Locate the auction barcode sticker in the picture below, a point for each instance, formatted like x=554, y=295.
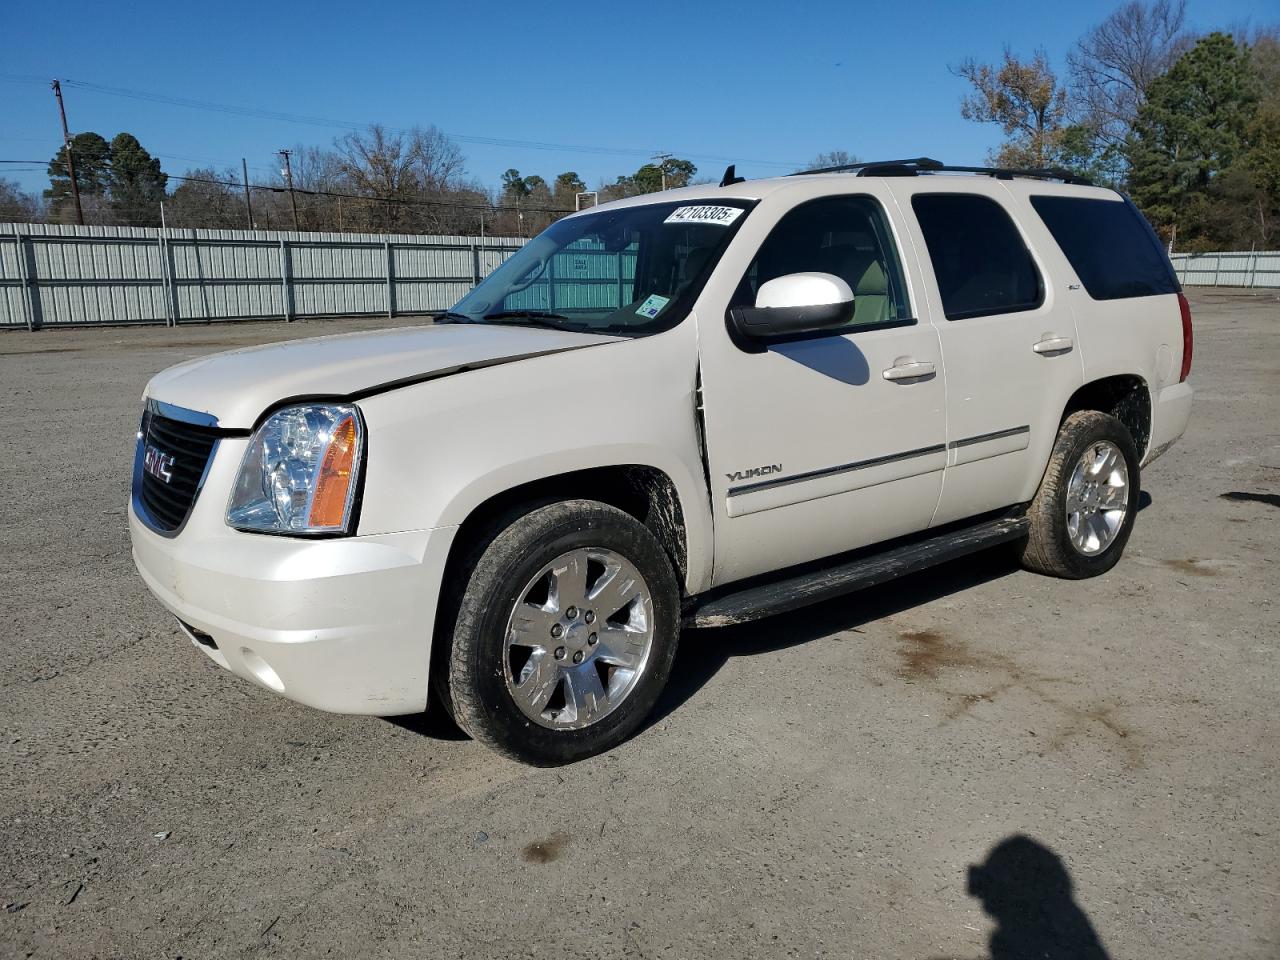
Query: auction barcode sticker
x=707, y=213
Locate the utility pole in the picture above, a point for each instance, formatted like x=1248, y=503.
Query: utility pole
x=293, y=200
x=71, y=163
x=662, y=159
x=248, y=201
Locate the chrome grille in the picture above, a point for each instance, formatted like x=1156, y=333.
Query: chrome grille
x=170, y=466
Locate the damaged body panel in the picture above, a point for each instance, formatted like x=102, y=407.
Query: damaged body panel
x=795, y=389
x=236, y=387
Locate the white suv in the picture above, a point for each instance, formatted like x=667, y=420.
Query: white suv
x=695, y=407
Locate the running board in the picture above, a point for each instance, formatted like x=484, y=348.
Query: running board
x=720, y=609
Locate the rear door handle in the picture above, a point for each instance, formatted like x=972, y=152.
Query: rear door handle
x=1054, y=345
x=905, y=368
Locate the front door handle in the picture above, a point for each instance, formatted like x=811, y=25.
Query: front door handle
x=904, y=368
x=1052, y=346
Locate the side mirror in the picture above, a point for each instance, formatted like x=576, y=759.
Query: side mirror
x=794, y=305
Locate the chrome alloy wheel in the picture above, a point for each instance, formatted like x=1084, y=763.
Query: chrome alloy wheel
x=1097, y=498
x=578, y=639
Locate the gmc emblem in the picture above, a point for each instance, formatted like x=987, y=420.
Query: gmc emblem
x=159, y=465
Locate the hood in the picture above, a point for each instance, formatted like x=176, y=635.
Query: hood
x=236, y=387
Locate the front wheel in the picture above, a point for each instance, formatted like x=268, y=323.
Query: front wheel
x=565, y=633
x=1084, y=511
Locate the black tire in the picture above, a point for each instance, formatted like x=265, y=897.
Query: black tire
x=1049, y=549
x=476, y=686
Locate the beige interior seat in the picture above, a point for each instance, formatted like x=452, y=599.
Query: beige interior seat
x=856, y=261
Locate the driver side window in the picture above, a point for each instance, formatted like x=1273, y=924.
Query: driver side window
x=845, y=236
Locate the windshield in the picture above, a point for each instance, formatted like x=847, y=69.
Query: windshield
x=633, y=271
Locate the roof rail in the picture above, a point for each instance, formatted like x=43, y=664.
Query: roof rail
x=1034, y=173
x=919, y=165
x=923, y=163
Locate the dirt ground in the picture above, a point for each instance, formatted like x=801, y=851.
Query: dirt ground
x=814, y=785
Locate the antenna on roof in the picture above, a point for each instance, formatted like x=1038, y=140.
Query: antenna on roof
x=731, y=176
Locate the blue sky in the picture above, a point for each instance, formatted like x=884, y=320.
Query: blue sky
x=748, y=80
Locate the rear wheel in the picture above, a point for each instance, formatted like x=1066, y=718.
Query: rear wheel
x=1084, y=511
x=565, y=633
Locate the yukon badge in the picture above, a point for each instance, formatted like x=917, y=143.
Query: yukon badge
x=766, y=470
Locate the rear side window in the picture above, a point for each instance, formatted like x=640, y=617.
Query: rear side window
x=1109, y=245
x=978, y=256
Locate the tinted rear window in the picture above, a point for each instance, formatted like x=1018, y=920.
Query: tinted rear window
x=1110, y=246
x=981, y=264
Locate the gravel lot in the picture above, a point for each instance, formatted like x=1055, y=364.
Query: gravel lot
x=815, y=785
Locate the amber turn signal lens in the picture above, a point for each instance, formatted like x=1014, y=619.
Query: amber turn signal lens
x=329, y=504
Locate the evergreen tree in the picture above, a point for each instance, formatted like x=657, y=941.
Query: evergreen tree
x=1193, y=126
x=135, y=182
x=92, y=157
x=567, y=187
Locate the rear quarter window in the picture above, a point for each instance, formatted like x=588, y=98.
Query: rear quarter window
x=1111, y=248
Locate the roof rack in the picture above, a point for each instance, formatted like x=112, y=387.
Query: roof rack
x=923, y=163
x=919, y=165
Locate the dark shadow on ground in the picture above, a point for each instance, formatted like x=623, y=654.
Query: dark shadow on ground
x=703, y=652
x=1243, y=496
x=1026, y=889
x=434, y=723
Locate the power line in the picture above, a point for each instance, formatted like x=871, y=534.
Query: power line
x=662, y=159
x=229, y=164
x=333, y=193
x=330, y=122
x=288, y=177
x=248, y=200
x=71, y=161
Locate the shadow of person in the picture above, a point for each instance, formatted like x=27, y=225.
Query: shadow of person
x=1024, y=886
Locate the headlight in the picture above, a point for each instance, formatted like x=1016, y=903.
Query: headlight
x=300, y=472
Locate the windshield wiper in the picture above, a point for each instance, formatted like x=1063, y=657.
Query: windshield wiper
x=527, y=318
x=525, y=315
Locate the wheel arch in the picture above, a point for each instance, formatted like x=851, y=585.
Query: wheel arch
x=1126, y=396
x=644, y=492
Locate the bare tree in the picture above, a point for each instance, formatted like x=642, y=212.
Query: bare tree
x=832, y=158
x=204, y=198
x=421, y=164
x=318, y=172
x=1113, y=64
x=18, y=206
x=1024, y=98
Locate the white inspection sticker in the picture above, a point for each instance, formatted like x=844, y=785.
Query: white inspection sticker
x=705, y=213
x=652, y=305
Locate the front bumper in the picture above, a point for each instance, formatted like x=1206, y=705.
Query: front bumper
x=343, y=625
